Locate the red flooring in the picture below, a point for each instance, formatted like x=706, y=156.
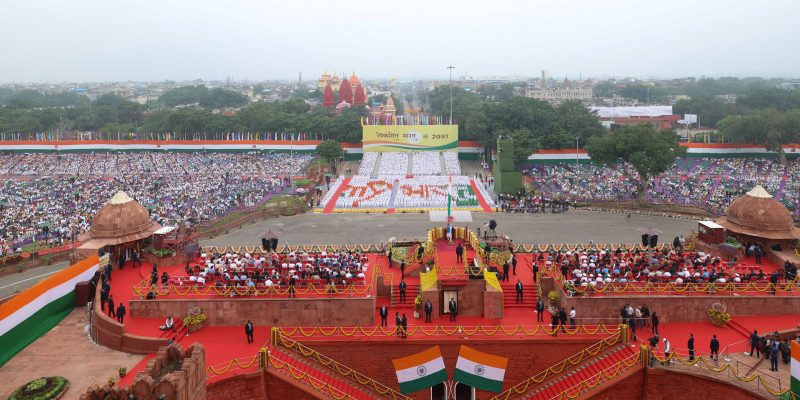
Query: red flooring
x=481, y=200
x=332, y=202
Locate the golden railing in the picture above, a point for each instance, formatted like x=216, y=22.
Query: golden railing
x=335, y=366
x=558, y=368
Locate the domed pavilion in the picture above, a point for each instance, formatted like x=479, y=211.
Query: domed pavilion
x=759, y=218
x=122, y=223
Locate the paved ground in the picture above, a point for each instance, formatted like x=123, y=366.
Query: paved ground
x=67, y=351
x=577, y=226
x=11, y=284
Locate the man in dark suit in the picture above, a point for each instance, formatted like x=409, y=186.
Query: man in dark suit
x=505, y=272
x=519, y=292
x=714, y=347
x=111, y=311
x=402, y=291
x=121, y=313
x=758, y=253
x=248, y=330
x=539, y=310
x=384, y=313
x=404, y=327
x=398, y=323
x=103, y=297
x=402, y=269
x=459, y=253
x=755, y=341
x=690, y=346
x=514, y=264
x=535, y=270
x=453, y=308
x=428, y=310
x=562, y=319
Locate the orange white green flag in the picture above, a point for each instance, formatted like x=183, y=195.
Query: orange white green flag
x=794, y=385
x=421, y=370
x=480, y=370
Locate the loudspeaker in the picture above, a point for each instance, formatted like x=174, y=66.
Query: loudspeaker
x=645, y=239
x=265, y=244
x=274, y=244
x=492, y=224
x=653, y=241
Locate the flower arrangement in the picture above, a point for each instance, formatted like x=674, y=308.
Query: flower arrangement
x=719, y=314
x=123, y=371
x=195, y=319
x=46, y=388
x=553, y=297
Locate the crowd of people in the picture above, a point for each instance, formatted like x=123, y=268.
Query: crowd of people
x=598, y=269
x=532, y=203
x=264, y=271
x=55, y=196
x=709, y=183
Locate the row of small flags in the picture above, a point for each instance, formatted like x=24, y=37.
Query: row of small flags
x=474, y=368
x=412, y=119
x=55, y=136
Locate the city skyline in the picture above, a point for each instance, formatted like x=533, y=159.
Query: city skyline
x=93, y=41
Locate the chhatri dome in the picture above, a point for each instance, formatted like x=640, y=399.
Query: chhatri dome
x=758, y=214
x=121, y=220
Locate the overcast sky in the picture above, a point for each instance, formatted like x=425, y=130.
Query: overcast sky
x=110, y=40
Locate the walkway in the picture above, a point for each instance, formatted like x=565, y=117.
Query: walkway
x=481, y=200
x=66, y=351
x=332, y=202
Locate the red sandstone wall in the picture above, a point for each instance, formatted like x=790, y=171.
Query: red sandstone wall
x=665, y=384
x=251, y=387
x=271, y=312
x=247, y=386
x=112, y=334
x=627, y=387
x=526, y=357
x=682, y=309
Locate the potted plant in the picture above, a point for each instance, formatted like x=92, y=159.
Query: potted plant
x=123, y=371
x=719, y=314
x=111, y=381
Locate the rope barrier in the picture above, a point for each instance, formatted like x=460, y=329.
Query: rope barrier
x=705, y=363
x=458, y=330
x=340, y=369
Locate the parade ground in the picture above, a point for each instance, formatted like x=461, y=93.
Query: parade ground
x=575, y=226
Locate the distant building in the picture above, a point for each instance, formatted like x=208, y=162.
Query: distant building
x=567, y=91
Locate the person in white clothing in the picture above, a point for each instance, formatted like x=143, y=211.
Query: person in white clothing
x=667, y=350
x=572, y=314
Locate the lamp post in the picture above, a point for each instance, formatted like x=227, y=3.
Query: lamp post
x=576, y=152
x=451, y=92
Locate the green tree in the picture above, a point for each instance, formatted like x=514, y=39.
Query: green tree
x=330, y=150
x=771, y=128
x=709, y=109
x=648, y=150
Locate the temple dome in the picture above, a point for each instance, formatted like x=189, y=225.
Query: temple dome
x=121, y=220
x=758, y=214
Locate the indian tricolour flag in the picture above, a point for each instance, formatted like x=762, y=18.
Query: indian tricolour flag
x=420, y=371
x=480, y=370
x=795, y=367
x=32, y=313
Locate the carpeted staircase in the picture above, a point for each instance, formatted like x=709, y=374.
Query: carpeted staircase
x=411, y=293
x=587, y=370
x=316, y=377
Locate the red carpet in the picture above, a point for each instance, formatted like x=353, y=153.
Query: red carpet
x=481, y=200
x=585, y=372
x=332, y=202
